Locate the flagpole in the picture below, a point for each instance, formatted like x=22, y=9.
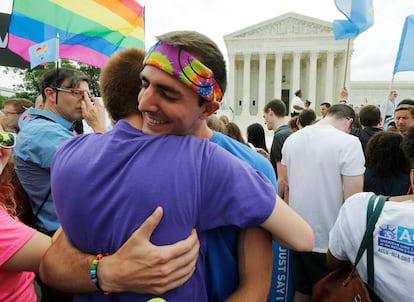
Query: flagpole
x=57, y=62
x=57, y=51
x=143, y=17
x=346, y=63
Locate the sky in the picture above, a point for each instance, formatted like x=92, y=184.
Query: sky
x=375, y=50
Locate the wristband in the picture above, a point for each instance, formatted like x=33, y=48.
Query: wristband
x=94, y=273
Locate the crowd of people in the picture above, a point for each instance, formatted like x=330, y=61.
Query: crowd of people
x=175, y=203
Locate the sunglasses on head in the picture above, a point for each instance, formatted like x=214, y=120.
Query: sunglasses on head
x=7, y=140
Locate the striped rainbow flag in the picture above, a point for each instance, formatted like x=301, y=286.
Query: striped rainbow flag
x=90, y=31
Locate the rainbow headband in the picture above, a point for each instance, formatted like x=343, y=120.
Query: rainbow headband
x=186, y=68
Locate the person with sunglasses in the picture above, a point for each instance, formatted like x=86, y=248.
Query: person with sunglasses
x=65, y=93
x=21, y=247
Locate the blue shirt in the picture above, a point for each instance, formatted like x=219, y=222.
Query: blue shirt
x=222, y=271
x=389, y=186
x=390, y=108
x=41, y=133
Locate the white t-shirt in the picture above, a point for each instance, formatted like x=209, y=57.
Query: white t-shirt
x=393, y=244
x=316, y=158
x=296, y=101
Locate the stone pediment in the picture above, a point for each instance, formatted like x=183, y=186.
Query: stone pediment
x=290, y=24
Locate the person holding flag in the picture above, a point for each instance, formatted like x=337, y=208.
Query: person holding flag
x=360, y=17
x=387, y=108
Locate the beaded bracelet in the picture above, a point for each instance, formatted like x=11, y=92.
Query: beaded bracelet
x=93, y=272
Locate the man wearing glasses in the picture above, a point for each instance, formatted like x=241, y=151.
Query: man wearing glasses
x=13, y=109
x=41, y=134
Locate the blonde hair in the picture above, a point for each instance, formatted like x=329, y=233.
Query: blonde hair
x=216, y=124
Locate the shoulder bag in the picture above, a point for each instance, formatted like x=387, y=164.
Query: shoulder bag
x=344, y=283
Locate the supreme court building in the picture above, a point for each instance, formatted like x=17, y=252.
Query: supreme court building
x=275, y=58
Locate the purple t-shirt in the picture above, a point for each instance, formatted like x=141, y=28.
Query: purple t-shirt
x=105, y=185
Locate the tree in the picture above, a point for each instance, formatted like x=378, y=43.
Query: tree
x=29, y=89
x=2, y=99
x=93, y=73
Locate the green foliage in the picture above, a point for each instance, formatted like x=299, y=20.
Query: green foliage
x=93, y=74
x=2, y=99
x=29, y=89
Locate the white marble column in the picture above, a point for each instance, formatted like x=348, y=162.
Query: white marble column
x=232, y=81
x=246, y=84
x=329, y=77
x=295, y=85
x=262, y=82
x=312, y=78
x=277, y=93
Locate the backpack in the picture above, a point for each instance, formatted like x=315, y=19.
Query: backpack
x=23, y=209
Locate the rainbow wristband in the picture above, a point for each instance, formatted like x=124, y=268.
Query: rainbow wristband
x=94, y=273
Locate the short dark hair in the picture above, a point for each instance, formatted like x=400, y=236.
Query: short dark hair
x=370, y=115
x=410, y=108
x=406, y=102
x=54, y=78
x=277, y=106
x=326, y=104
x=203, y=48
x=307, y=117
x=384, y=155
x=341, y=111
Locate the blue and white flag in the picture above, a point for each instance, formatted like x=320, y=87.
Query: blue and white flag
x=405, y=56
x=43, y=52
x=360, y=15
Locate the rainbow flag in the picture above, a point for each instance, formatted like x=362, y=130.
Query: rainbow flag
x=43, y=52
x=90, y=31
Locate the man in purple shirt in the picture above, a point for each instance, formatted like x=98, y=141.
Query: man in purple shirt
x=186, y=99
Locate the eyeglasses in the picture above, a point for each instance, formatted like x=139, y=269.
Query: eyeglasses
x=9, y=112
x=75, y=92
x=7, y=140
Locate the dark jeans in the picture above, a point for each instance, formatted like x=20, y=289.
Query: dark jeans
x=308, y=268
